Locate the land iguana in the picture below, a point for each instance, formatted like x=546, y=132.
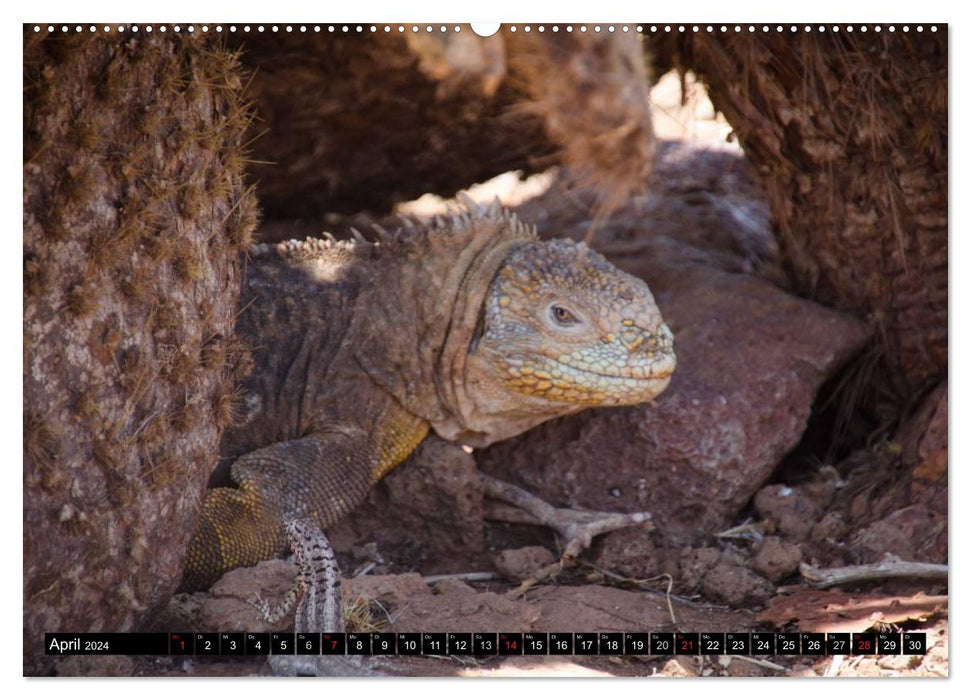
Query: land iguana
x=468, y=325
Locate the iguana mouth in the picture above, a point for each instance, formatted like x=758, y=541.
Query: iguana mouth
x=649, y=375
x=558, y=381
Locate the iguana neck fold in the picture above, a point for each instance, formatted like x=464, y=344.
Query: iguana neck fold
x=417, y=321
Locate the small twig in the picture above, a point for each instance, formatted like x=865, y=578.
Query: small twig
x=364, y=570
x=642, y=584
x=387, y=615
x=667, y=595
x=539, y=576
x=745, y=531
x=890, y=567
x=470, y=576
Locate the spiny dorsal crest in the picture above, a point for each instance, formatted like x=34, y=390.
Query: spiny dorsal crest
x=327, y=248
x=414, y=234
x=461, y=222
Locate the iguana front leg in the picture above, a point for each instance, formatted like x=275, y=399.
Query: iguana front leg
x=320, y=478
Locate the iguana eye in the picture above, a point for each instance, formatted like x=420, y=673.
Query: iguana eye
x=563, y=316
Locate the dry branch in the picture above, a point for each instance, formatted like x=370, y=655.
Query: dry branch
x=890, y=567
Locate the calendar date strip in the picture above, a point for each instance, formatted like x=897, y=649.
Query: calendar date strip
x=487, y=643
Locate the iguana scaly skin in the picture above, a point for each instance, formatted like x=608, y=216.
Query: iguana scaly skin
x=469, y=326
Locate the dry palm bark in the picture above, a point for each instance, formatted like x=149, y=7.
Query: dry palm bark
x=135, y=210
x=351, y=122
x=848, y=133
x=363, y=121
x=591, y=93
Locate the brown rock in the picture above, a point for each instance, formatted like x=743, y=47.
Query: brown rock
x=396, y=588
x=790, y=510
x=777, y=559
x=227, y=608
x=453, y=586
x=274, y=577
x=832, y=526
x=456, y=605
x=913, y=534
x=750, y=360
x=695, y=563
x=924, y=441
x=736, y=586
x=520, y=564
x=629, y=552
x=611, y=609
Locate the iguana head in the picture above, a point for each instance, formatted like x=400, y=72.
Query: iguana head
x=562, y=329
x=562, y=325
